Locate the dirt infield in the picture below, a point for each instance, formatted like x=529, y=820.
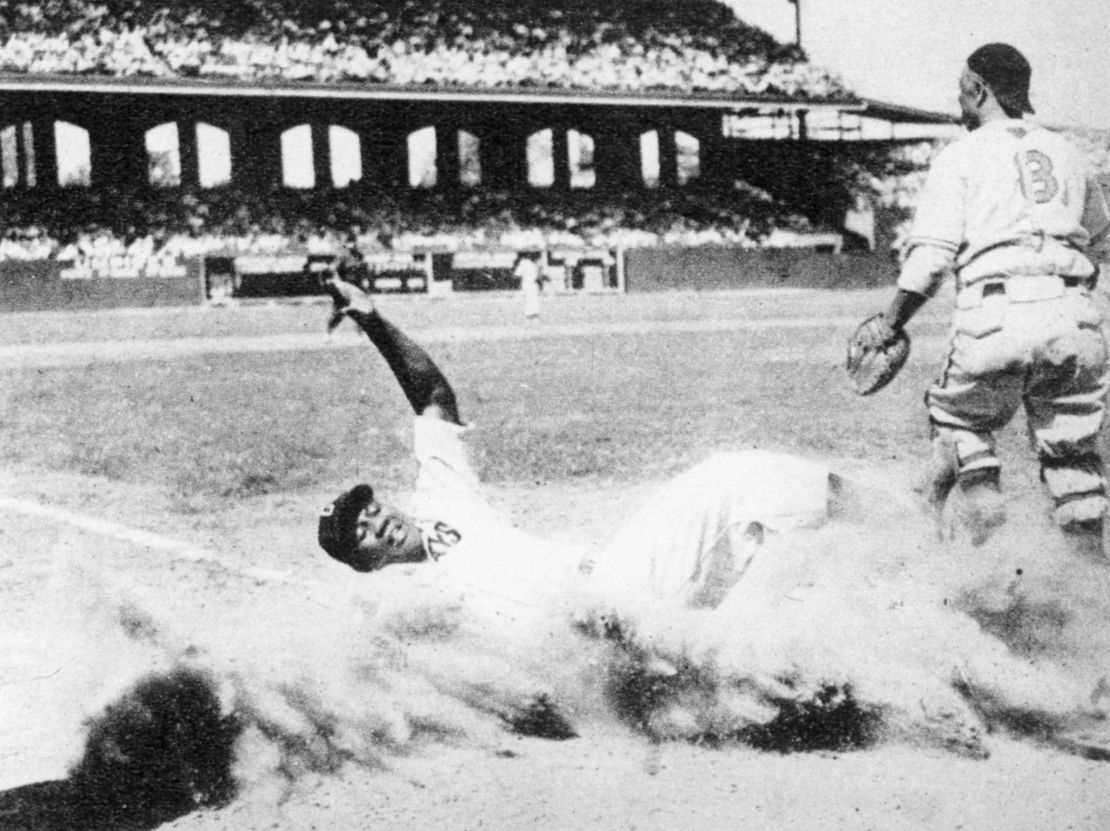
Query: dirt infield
x=142, y=534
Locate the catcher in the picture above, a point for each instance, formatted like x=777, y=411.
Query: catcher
x=1013, y=211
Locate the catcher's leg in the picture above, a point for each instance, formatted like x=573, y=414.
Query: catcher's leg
x=1066, y=408
x=965, y=406
x=941, y=471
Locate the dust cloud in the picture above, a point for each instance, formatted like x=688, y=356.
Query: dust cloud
x=838, y=638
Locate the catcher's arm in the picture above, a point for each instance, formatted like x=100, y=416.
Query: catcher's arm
x=903, y=307
x=423, y=383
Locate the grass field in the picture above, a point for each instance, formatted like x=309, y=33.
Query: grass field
x=227, y=428
x=554, y=406
x=627, y=388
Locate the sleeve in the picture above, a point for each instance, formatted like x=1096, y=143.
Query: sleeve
x=442, y=454
x=447, y=486
x=938, y=226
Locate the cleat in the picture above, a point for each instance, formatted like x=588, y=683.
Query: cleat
x=982, y=508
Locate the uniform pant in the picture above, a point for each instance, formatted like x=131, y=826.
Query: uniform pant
x=695, y=538
x=1032, y=342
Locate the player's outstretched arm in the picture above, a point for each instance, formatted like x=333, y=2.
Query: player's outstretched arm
x=423, y=383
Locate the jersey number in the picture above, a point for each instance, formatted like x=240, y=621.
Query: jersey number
x=1036, y=167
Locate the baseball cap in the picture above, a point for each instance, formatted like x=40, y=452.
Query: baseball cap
x=338, y=531
x=1006, y=71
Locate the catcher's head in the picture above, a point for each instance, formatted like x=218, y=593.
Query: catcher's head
x=366, y=534
x=997, y=71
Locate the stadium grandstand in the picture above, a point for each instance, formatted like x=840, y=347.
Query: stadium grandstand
x=642, y=45
x=197, y=128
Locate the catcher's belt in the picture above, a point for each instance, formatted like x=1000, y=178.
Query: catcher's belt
x=1019, y=288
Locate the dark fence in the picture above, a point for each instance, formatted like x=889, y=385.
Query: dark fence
x=41, y=285
x=713, y=269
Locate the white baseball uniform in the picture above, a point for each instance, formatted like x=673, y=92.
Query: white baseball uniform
x=687, y=546
x=1013, y=210
x=694, y=540
x=466, y=533
x=528, y=271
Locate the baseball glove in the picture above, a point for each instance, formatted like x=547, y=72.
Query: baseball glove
x=876, y=353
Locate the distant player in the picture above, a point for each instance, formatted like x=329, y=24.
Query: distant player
x=1012, y=209
x=527, y=270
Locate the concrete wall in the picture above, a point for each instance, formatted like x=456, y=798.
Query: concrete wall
x=40, y=285
x=717, y=268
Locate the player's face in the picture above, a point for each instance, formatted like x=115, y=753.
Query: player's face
x=970, y=88
x=387, y=536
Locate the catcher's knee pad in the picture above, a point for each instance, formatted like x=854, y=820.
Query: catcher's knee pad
x=1080, y=512
x=1078, y=489
x=954, y=454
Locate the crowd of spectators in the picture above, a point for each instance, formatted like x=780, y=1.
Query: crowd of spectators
x=91, y=223
x=629, y=45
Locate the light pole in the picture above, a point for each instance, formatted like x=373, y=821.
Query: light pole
x=797, y=4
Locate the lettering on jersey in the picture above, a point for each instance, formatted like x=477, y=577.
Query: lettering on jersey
x=439, y=538
x=1035, y=174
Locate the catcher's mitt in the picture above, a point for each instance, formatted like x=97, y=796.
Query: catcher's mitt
x=876, y=353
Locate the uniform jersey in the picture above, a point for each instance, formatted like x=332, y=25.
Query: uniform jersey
x=687, y=546
x=469, y=536
x=1009, y=198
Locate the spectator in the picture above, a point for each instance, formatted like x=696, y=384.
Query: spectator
x=634, y=46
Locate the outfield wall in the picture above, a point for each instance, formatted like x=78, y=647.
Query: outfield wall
x=47, y=285
x=718, y=268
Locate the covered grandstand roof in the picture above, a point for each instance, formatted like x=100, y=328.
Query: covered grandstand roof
x=900, y=114
x=88, y=84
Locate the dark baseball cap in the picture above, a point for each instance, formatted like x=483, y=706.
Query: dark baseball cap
x=1006, y=71
x=338, y=531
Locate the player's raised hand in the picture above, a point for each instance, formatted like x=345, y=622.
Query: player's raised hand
x=346, y=299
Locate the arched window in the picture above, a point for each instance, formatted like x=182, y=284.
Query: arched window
x=296, y=157
x=346, y=156
x=9, y=161
x=580, y=158
x=163, y=156
x=17, y=155
x=422, y=158
x=687, y=156
x=470, y=160
x=649, y=158
x=74, y=154
x=541, y=160
x=213, y=155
